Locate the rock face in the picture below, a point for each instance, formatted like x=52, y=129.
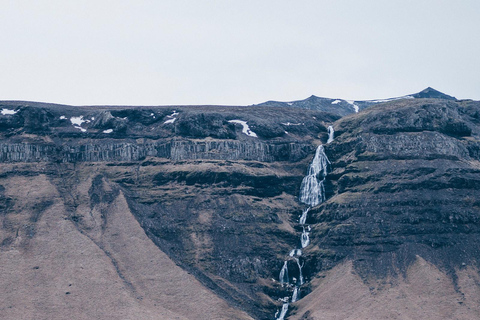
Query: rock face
x=180, y=213
x=404, y=186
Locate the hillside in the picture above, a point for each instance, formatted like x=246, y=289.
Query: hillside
x=192, y=212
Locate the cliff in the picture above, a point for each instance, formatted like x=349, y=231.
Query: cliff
x=403, y=201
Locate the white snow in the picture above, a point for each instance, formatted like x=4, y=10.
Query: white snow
x=292, y=124
x=355, y=107
x=336, y=101
x=290, y=103
x=170, y=120
x=108, y=131
x=80, y=128
x=172, y=116
x=246, y=128
x=63, y=117
x=391, y=99
x=77, y=120
x=93, y=118
x=8, y=111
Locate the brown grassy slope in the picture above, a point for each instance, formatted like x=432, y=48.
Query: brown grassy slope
x=50, y=268
x=425, y=293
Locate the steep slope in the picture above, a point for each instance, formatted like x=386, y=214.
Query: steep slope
x=425, y=292
x=404, y=190
x=71, y=256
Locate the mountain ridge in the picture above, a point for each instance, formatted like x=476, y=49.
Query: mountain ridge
x=344, y=107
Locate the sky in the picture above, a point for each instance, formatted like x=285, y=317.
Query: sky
x=242, y=52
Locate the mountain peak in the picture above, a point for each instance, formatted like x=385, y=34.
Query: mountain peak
x=432, y=93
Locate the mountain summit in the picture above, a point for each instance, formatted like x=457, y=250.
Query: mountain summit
x=432, y=94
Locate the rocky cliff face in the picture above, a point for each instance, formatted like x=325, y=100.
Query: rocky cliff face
x=164, y=198
x=404, y=186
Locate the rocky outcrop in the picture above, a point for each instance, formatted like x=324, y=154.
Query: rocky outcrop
x=175, y=150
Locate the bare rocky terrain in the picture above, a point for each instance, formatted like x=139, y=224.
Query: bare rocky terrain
x=189, y=212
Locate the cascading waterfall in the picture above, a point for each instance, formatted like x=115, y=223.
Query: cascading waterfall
x=305, y=238
x=284, y=274
x=295, y=252
x=295, y=295
x=303, y=217
x=300, y=274
x=283, y=312
x=312, y=193
x=331, y=133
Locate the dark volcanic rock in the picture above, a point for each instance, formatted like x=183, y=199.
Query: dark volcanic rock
x=405, y=182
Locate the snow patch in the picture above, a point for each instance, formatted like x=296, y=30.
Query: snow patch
x=336, y=101
x=8, y=111
x=108, y=131
x=391, y=99
x=171, y=120
x=77, y=120
x=293, y=124
x=172, y=116
x=63, y=117
x=80, y=128
x=355, y=107
x=246, y=128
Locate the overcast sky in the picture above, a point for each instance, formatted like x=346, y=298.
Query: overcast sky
x=236, y=52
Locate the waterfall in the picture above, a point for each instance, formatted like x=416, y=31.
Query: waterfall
x=284, y=274
x=295, y=252
x=303, y=217
x=331, y=133
x=305, y=238
x=295, y=295
x=312, y=193
x=299, y=271
x=283, y=312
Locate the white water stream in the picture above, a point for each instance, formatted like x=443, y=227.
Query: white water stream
x=312, y=193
